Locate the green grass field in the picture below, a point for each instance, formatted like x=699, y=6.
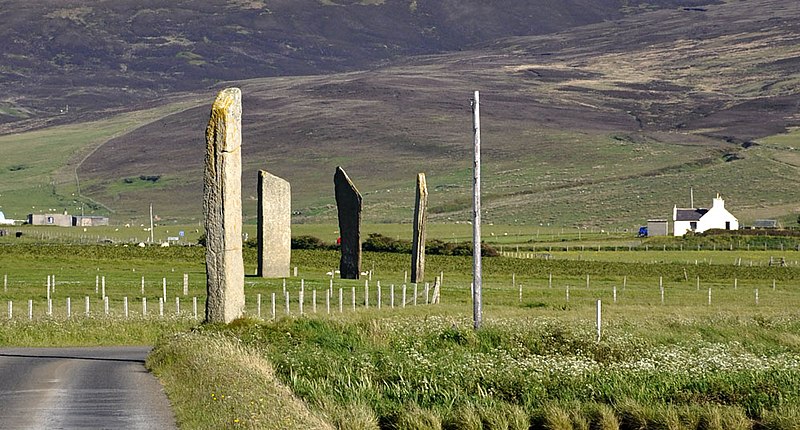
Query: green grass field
x=38, y=169
x=662, y=361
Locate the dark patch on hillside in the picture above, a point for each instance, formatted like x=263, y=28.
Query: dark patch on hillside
x=118, y=54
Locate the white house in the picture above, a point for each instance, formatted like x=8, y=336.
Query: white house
x=699, y=220
x=4, y=221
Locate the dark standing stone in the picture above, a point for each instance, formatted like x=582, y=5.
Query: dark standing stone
x=418, y=241
x=348, y=204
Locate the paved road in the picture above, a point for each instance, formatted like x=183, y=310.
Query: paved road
x=80, y=388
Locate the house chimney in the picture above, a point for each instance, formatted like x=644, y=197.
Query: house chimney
x=718, y=201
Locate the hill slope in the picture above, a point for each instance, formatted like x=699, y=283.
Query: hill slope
x=91, y=56
x=607, y=124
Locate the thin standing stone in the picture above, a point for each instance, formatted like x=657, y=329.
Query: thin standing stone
x=274, y=226
x=418, y=240
x=222, y=205
x=348, y=204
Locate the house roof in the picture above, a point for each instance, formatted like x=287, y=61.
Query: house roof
x=689, y=214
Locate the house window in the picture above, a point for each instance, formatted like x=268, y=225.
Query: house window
x=50, y=220
x=693, y=225
x=727, y=225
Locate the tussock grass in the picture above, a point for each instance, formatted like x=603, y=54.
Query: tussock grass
x=349, y=416
x=413, y=417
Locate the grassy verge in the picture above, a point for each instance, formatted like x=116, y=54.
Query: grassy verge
x=214, y=381
x=430, y=370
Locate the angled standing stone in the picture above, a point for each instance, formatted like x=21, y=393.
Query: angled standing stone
x=274, y=226
x=222, y=205
x=418, y=241
x=348, y=204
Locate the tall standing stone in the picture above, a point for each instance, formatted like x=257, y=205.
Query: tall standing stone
x=274, y=226
x=418, y=241
x=348, y=204
x=222, y=205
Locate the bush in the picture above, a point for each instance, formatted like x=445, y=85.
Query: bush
x=380, y=243
x=308, y=242
x=438, y=247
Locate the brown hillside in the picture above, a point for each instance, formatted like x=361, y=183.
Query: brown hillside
x=708, y=79
x=119, y=54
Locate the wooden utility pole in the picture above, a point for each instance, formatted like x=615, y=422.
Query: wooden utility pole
x=477, y=305
x=151, y=223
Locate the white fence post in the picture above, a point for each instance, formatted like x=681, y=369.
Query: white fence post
x=599, y=318
x=302, y=299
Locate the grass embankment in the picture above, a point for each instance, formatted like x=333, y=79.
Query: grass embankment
x=216, y=382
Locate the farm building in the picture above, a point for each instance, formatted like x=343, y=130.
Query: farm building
x=89, y=220
x=4, y=221
x=657, y=227
x=766, y=223
x=66, y=220
x=59, y=220
x=698, y=220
